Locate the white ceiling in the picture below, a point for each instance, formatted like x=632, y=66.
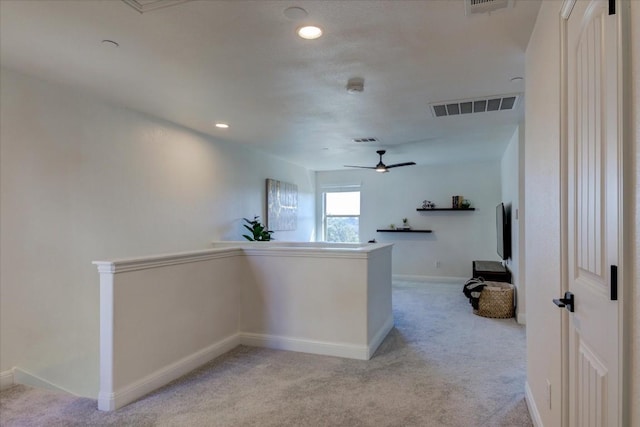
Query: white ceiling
x=199, y=62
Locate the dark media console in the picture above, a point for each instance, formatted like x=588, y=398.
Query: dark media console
x=492, y=271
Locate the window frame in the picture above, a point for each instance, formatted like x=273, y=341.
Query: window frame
x=342, y=189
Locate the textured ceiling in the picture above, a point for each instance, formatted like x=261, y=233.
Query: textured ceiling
x=198, y=62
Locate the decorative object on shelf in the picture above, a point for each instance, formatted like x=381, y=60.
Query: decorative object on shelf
x=456, y=202
x=465, y=204
x=428, y=204
x=392, y=226
x=282, y=205
x=405, y=224
x=259, y=232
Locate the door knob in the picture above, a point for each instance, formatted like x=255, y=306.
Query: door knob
x=567, y=302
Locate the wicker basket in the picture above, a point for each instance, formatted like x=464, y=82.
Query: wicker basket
x=496, y=301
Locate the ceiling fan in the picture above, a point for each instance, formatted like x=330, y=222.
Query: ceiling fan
x=381, y=167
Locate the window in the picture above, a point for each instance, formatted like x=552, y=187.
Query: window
x=341, y=218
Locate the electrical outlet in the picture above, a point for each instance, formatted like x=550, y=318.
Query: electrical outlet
x=549, y=393
x=438, y=264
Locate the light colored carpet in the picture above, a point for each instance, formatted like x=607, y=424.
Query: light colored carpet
x=440, y=366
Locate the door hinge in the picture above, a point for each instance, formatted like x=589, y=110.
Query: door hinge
x=614, y=283
x=612, y=7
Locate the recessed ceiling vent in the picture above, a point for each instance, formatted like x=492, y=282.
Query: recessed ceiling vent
x=474, y=7
x=365, y=140
x=149, y=5
x=479, y=105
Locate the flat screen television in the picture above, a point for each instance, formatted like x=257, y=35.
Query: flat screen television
x=503, y=228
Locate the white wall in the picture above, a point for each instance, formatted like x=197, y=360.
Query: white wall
x=458, y=238
x=512, y=180
x=542, y=225
x=83, y=180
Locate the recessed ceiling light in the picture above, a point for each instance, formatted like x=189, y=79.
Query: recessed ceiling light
x=222, y=125
x=310, y=32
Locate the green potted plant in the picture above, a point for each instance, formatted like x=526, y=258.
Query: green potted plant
x=259, y=232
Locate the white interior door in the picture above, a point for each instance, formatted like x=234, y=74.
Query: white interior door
x=593, y=212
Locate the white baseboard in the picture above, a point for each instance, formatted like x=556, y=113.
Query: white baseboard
x=6, y=379
x=380, y=336
x=20, y=376
x=531, y=403
x=109, y=401
x=325, y=348
x=522, y=318
x=430, y=279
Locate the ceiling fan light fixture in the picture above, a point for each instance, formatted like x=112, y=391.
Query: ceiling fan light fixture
x=381, y=167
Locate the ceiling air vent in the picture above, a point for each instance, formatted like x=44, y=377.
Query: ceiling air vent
x=474, y=7
x=359, y=140
x=148, y=5
x=480, y=105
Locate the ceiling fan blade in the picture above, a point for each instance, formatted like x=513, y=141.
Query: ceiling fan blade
x=397, y=165
x=381, y=167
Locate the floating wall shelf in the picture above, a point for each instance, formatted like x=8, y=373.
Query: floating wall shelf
x=403, y=231
x=446, y=209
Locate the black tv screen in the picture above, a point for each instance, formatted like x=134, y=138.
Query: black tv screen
x=503, y=229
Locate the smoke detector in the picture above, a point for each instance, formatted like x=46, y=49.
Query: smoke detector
x=355, y=85
x=474, y=7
